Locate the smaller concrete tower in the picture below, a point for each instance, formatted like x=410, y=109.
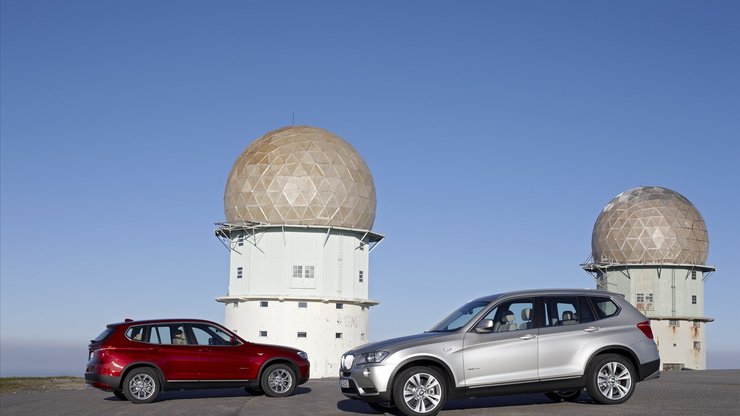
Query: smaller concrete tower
x=650, y=244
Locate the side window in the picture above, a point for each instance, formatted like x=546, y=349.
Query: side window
x=162, y=334
x=512, y=316
x=209, y=335
x=136, y=333
x=605, y=307
x=567, y=310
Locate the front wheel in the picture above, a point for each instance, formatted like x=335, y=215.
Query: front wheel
x=278, y=380
x=420, y=391
x=567, y=395
x=611, y=379
x=141, y=385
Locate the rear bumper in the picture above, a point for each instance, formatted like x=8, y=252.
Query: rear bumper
x=650, y=370
x=107, y=383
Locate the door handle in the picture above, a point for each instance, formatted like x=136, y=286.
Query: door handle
x=592, y=329
x=527, y=337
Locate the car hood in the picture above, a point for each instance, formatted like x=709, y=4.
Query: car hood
x=394, y=344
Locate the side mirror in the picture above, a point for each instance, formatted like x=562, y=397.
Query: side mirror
x=484, y=326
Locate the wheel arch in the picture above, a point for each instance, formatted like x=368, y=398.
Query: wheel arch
x=427, y=361
x=279, y=360
x=126, y=370
x=619, y=350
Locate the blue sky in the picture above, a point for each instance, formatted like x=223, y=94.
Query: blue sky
x=495, y=131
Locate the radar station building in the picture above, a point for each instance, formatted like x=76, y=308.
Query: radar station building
x=650, y=244
x=299, y=206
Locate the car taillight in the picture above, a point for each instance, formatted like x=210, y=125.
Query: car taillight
x=645, y=328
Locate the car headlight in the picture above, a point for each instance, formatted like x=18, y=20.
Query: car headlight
x=374, y=357
x=302, y=355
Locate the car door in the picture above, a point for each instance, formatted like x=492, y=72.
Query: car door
x=567, y=337
x=507, y=351
x=172, y=353
x=218, y=359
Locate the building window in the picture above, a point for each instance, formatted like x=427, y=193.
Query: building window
x=303, y=304
x=297, y=272
x=693, y=275
x=697, y=345
x=263, y=333
x=340, y=306
x=640, y=298
x=362, y=336
x=693, y=299
x=673, y=322
x=263, y=304
x=308, y=272
x=240, y=241
x=302, y=335
x=338, y=335
x=649, y=298
x=362, y=276
x=239, y=272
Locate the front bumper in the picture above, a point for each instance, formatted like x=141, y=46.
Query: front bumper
x=369, y=382
x=106, y=383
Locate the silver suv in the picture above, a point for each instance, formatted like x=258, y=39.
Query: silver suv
x=552, y=341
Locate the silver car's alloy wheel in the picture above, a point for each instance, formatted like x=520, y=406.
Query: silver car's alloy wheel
x=614, y=380
x=280, y=381
x=142, y=386
x=422, y=392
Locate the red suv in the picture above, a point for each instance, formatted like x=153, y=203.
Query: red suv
x=138, y=359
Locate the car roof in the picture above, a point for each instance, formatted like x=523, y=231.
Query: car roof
x=547, y=292
x=163, y=321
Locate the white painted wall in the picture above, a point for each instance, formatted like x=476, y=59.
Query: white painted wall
x=267, y=259
x=672, y=291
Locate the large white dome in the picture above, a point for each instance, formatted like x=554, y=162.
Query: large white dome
x=650, y=224
x=301, y=176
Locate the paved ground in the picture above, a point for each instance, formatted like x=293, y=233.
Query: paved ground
x=713, y=393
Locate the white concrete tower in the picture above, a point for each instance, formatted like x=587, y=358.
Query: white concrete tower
x=650, y=244
x=299, y=206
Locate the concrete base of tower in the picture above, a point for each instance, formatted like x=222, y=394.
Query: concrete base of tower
x=323, y=328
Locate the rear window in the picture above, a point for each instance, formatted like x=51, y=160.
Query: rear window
x=605, y=307
x=136, y=333
x=103, y=335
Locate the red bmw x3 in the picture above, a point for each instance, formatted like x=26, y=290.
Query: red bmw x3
x=136, y=360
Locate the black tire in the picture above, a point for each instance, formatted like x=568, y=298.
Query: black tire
x=119, y=395
x=564, y=395
x=420, y=391
x=254, y=391
x=610, y=379
x=141, y=385
x=381, y=407
x=278, y=380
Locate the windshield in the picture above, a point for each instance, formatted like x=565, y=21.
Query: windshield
x=460, y=317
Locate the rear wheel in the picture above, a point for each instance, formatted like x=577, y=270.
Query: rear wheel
x=420, y=391
x=611, y=379
x=119, y=394
x=567, y=395
x=381, y=407
x=278, y=380
x=141, y=385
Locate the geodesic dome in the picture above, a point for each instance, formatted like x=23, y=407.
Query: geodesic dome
x=301, y=175
x=650, y=224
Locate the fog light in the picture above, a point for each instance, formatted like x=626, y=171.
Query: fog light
x=366, y=372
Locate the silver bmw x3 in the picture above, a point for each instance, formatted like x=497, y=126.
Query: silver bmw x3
x=557, y=342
